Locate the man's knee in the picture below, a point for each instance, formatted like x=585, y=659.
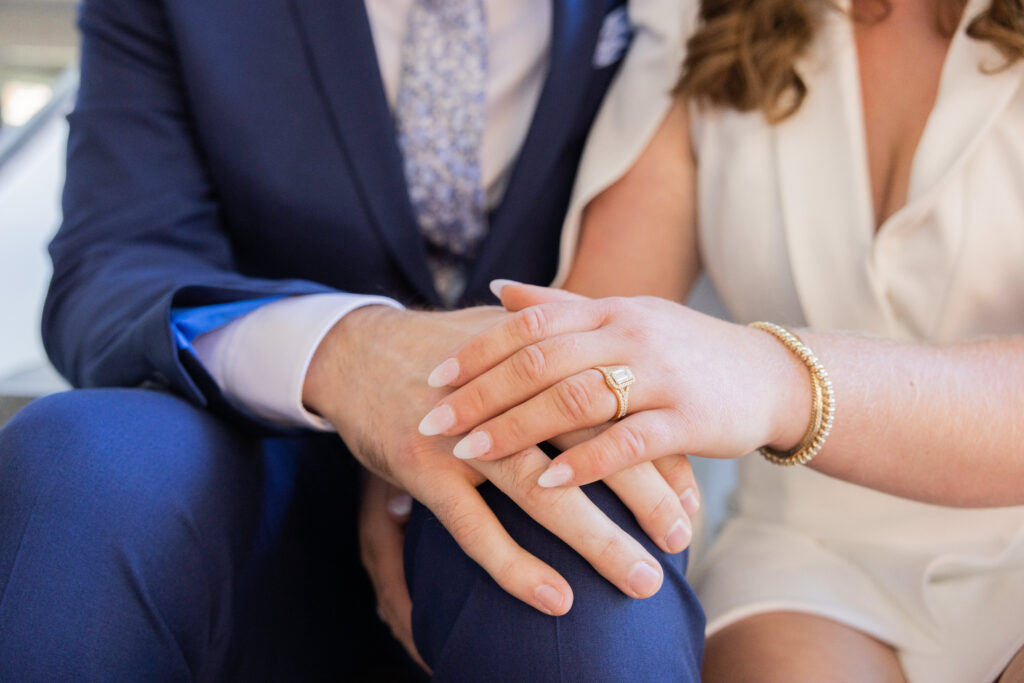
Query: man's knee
x=467, y=627
x=133, y=452
x=117, y=502
x=107, y=478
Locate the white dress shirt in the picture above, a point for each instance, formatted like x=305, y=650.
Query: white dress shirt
x=260, y=360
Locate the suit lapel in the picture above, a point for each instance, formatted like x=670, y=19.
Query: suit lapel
x=344, y=63
x=574, y=33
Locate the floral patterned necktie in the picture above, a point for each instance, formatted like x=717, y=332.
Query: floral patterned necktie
x=440, y=114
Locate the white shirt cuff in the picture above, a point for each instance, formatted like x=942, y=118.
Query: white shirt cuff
x=260, y=360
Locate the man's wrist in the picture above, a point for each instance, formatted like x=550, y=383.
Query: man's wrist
x=343, y=346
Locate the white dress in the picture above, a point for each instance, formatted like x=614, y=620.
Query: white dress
x=787, y=234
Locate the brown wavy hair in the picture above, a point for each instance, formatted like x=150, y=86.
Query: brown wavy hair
x=743, y=54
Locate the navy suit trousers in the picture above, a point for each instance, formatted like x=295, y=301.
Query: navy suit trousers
x=144, y=539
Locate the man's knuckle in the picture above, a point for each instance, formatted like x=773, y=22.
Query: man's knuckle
x=559, y=502
x=666, y=504
x=466, y=529
x=515, y=474
x=445, y=508
x=417, y=455
x=613, y=549
x=674, y=468
x=535, y=497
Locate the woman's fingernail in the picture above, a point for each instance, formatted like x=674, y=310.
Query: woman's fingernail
x=444, y=374
x=690, y=501
x=400, y=506
x=498, y=285
x=679, y=536
x=643, y=580
x=558, y=474
x=473, y=446
x=550, y=599
x=437, y=421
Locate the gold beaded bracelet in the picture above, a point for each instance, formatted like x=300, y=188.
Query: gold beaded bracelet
x=822, y=401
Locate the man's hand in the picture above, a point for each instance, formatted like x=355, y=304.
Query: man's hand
x=383, y=513
x=369, y=379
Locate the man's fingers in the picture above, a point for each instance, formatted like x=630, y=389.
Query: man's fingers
x=399, y=505
x=648, y=435
x=463, y=512
x=573, y=517
x=564, y=442
x=678, y=472
x=383, y=561
x=381, y=540
x=528, y=326
x=655, y=504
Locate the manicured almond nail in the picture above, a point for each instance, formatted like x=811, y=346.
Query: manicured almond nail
x=678, y=536
x=558, y=474
x=643, y=580
x=498, y=285
x=690, y=501
x=473, y=446
x=550, y=599
x=437, y=420
x=400, y=506
x=444, y=374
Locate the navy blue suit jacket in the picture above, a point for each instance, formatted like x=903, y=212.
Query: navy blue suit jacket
x=239, y=149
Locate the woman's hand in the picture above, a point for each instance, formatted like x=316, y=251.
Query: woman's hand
x=703, y=386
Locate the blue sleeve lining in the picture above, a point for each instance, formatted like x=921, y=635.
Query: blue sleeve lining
x=189, y=323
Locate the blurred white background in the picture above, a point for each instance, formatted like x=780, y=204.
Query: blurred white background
x=38, y=49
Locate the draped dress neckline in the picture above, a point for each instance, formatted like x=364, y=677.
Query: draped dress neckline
x=840, y=261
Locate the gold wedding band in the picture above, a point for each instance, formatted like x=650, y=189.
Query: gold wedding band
x=618, y=378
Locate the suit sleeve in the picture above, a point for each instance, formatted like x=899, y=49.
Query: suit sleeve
x=142, y=231
x=259, y=360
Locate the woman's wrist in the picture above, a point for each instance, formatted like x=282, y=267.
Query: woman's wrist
x=792, y=393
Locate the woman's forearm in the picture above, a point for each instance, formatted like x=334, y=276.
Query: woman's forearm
x=638, y=237
x=939, y=424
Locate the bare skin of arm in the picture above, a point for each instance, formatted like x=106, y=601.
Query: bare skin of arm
x=940, y=424
x=639, y=236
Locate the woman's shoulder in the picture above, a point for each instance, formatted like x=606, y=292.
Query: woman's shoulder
x=634, y=106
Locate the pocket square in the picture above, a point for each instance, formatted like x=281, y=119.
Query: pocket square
x=616, y=33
